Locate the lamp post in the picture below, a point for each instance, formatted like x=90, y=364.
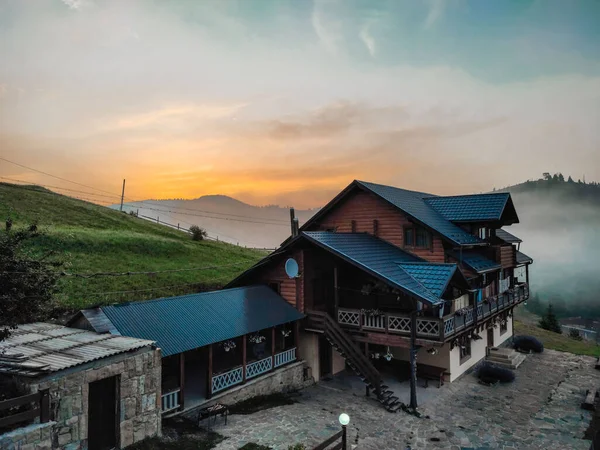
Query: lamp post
x=344, y=420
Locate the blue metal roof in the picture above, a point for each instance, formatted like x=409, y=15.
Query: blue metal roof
x=507, y=237
x=414, y=204
x=522, y=258
x=470, y=208
x=434, y=277
x=476, y=261
x=178, y=324
x=386, y=261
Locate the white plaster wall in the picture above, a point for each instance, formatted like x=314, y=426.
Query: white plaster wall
x=338, y=363
x=498, y=338
x=478, y=352
x=442, y=359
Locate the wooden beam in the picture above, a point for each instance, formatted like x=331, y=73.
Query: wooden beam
x=297, y=338
x=244, y=358
x=181, y=379
x=273, y=348
x=336, y=294
x=392, y=340
x=210, y=370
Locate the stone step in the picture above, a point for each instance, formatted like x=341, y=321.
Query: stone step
x=503, y=353
x=507, y=363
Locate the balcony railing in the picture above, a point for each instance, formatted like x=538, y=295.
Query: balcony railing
x=433, y=327
x=285, y=357
x=259, y=367
x=170, y=400
x=227, y=379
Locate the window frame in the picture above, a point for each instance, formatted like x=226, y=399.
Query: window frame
x=414, y=231
x=463, y=358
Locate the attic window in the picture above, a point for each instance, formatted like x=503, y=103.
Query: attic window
x=482, y=232
x=417, y=237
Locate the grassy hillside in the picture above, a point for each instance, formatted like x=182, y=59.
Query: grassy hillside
x=555, y=341
x=91, y=238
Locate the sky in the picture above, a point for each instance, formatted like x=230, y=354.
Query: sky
x=288, y=101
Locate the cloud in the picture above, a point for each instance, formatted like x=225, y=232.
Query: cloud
x=435, y=12
x=327, y=28
x=367, y=38
x=77, y=4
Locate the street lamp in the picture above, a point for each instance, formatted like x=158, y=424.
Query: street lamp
x=344, y=420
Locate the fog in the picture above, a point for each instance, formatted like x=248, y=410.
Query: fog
x=562, y=234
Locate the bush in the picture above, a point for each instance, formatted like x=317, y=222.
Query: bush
x=198, y=234
x=528, y=344
x=549, y=321
x=574, y=334
x=297, y=447
x=492, y=374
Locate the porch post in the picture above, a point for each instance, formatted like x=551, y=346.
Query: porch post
x=210, y=370
x=297, y=338
x=413, y=360
x=527, y=273
x=273, y=348
x=367, y=392
x=181, y=379
x=244, y=358
x=336, y=298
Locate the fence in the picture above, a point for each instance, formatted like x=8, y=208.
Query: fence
x=41, y=409
x=338, y=441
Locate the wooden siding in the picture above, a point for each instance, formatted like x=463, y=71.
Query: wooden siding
x=506, y=256
x=292, y=290
x=359, y=209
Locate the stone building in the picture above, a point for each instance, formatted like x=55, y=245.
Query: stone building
x=101, y=390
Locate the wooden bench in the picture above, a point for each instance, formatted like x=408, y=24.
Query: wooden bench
x=431, y=373
x=211, y=412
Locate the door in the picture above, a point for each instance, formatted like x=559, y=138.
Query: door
x=196, y=376
x=102, y=414
x=324, y=293
x=490, y=337
x=324, y=356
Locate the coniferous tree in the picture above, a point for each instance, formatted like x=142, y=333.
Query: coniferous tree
x=570, y=180
x=561, y=178
x=549, y=321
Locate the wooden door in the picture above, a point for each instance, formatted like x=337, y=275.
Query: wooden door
x=324, y=356
x=102, y=414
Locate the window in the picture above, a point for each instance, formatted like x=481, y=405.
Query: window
x=503, y=326
x=417, y=237
x=465, y=351
x=482, y=233
x=461, y=302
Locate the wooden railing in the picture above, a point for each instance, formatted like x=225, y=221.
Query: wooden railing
x=227, y=379
x=285, y=357
x=433, y=327
x=339, y=439
x=41, y=409
x=170, y=400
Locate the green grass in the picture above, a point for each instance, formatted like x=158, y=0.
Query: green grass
x=92, y=238
x=555, y=341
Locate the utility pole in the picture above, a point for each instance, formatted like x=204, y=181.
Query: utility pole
x=122, y=194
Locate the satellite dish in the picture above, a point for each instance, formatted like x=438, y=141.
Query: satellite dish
x=291, y=268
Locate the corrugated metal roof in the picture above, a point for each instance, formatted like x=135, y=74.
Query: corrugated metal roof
x=414, y=204
x=476, y=261
x=470, y=208
x=522, y=258
x=385, y=261
x=45, y=348
x=507, y=237
x=179, y=324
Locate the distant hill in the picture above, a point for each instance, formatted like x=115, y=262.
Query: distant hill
x=224, y=217
x=92, y=238
x=560, y=227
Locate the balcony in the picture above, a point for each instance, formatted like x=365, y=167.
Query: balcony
x=433, y=327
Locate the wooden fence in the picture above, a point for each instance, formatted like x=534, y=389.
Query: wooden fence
x=338, y=441
x=41, y=408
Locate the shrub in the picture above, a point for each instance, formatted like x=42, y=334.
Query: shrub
x=574, y=334
x=297, y=447
x=491, y=374
x=198, y=234
x=528, y=344
x=549, y=321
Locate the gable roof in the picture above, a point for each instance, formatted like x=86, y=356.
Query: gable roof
x=183, y=323
x=522, y=258
x=507, y=237
x=476, y=261
x=475, y=207
x=411, y=203
x=410, y=274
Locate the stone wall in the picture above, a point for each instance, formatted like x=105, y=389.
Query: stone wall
x=36, y=436
x=286, y=379
x=139, y=403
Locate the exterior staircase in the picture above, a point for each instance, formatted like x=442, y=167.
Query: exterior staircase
x=505, y=357
x=356, y=360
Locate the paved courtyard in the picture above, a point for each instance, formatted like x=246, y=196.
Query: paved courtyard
x=540, y=410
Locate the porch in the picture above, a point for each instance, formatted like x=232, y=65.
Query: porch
x=429, y=326
x=195, y=376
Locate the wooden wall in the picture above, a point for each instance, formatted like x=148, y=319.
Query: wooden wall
x=363, y=208
x=506, y=256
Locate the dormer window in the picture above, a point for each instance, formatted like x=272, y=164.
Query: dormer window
x=482, y=232
x=417, y=237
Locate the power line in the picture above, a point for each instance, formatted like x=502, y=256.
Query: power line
x=28, y=183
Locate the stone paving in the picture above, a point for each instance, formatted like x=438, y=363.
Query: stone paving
x=540, y=410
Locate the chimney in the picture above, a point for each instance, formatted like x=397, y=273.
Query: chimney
x=296, y=226
x=293, y=222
